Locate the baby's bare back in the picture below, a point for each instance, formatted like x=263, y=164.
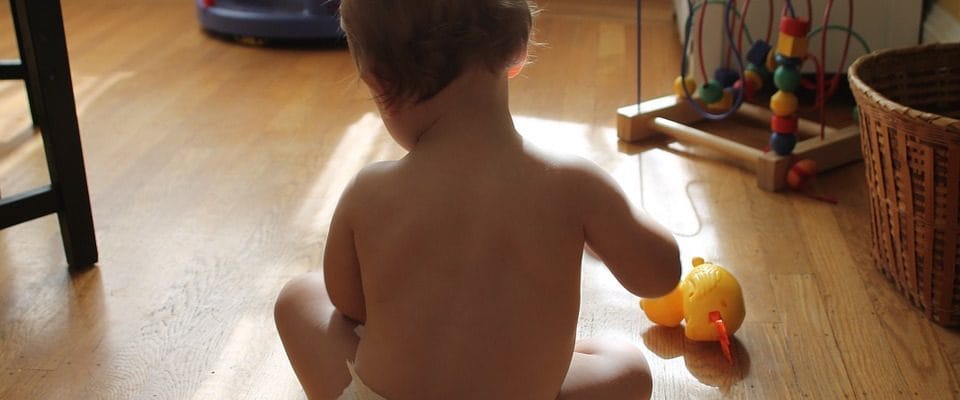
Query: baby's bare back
x=471, y=274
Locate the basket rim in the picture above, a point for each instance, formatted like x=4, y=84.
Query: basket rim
x=858, y=84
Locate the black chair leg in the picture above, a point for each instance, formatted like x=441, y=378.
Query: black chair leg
x=33, y=92
x=44, y=56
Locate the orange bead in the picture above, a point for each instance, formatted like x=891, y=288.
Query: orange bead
x=680, y=82
x=754, y=78
x=801, y=173
x=771, y=61
x=784, y=104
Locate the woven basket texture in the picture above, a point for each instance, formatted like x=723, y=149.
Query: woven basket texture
x=909, y=102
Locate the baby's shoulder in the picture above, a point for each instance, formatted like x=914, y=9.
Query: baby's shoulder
x=370, y=180
x=582, y=182
x=376, y=173
x=574, y=170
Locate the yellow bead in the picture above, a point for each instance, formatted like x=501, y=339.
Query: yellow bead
x=679, y=83
x=754, y=78
x=790, y=46
x=784, y=104
x=724, y=103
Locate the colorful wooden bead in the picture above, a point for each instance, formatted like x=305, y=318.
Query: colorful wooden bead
x=784, y=103
x=726, y=76
x=801, y=173
x=725, y=102
x=796, y=27
x=786, y=124
x=751, y=88
x=786, y=78
x=757, y=54
x=754, y=78
x=711, y=92
x=754, y=83
x=792, y=46
x=761, y=70
x=788, y=61
x=771, y=61
x=783, y=144
x=681, y=83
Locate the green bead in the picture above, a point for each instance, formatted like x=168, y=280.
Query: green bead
x=711, y=92
x=786, y=78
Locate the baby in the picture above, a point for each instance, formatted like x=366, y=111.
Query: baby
x=462, y=259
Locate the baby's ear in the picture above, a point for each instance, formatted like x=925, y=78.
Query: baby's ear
x=376, y=89
x=519, y=60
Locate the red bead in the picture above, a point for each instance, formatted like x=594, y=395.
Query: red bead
x=786, y=124
x=754, y=84
x=796, y=27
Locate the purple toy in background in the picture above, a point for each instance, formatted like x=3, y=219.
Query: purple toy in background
x=256, y=21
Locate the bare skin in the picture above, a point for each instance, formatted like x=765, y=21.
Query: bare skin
x=463, y=261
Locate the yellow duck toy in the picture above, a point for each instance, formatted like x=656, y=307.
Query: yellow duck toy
x=708, y=298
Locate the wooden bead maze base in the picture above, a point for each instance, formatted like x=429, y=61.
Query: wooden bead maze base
x=673, y=116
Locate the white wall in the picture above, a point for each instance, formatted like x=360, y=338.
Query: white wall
x=941, y=26
x=883, y=23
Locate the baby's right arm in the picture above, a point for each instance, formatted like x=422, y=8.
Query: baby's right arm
x=642, y=255
x=341, y=268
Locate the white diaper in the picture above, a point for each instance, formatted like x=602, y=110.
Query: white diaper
x=357, y=390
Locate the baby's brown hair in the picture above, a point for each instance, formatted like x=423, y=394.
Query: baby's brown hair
x=415, y=48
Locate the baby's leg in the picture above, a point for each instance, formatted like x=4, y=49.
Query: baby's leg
x=607, y=370
x=318, y=339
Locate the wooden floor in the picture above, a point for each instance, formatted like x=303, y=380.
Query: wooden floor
x=214, y=168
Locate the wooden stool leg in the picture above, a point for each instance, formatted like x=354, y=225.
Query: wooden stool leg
x=47, y=66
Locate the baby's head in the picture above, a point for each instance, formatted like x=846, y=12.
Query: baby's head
x=412, y=49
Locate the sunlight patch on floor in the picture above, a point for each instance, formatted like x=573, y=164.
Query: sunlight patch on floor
x=355, y=150
x=553, y=135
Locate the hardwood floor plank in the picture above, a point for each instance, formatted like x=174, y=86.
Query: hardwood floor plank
x=816, y=359
x=874, y=373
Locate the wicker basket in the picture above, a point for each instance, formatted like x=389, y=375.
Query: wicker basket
x=908, y=101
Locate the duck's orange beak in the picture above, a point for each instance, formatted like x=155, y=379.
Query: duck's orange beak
x=717, y=321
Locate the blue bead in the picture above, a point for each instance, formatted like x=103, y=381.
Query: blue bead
x=788, y=61
x=782, y=144
x=757, y=54
x=726, y=76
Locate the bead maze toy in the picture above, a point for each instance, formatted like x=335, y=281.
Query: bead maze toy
x=730, y=89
